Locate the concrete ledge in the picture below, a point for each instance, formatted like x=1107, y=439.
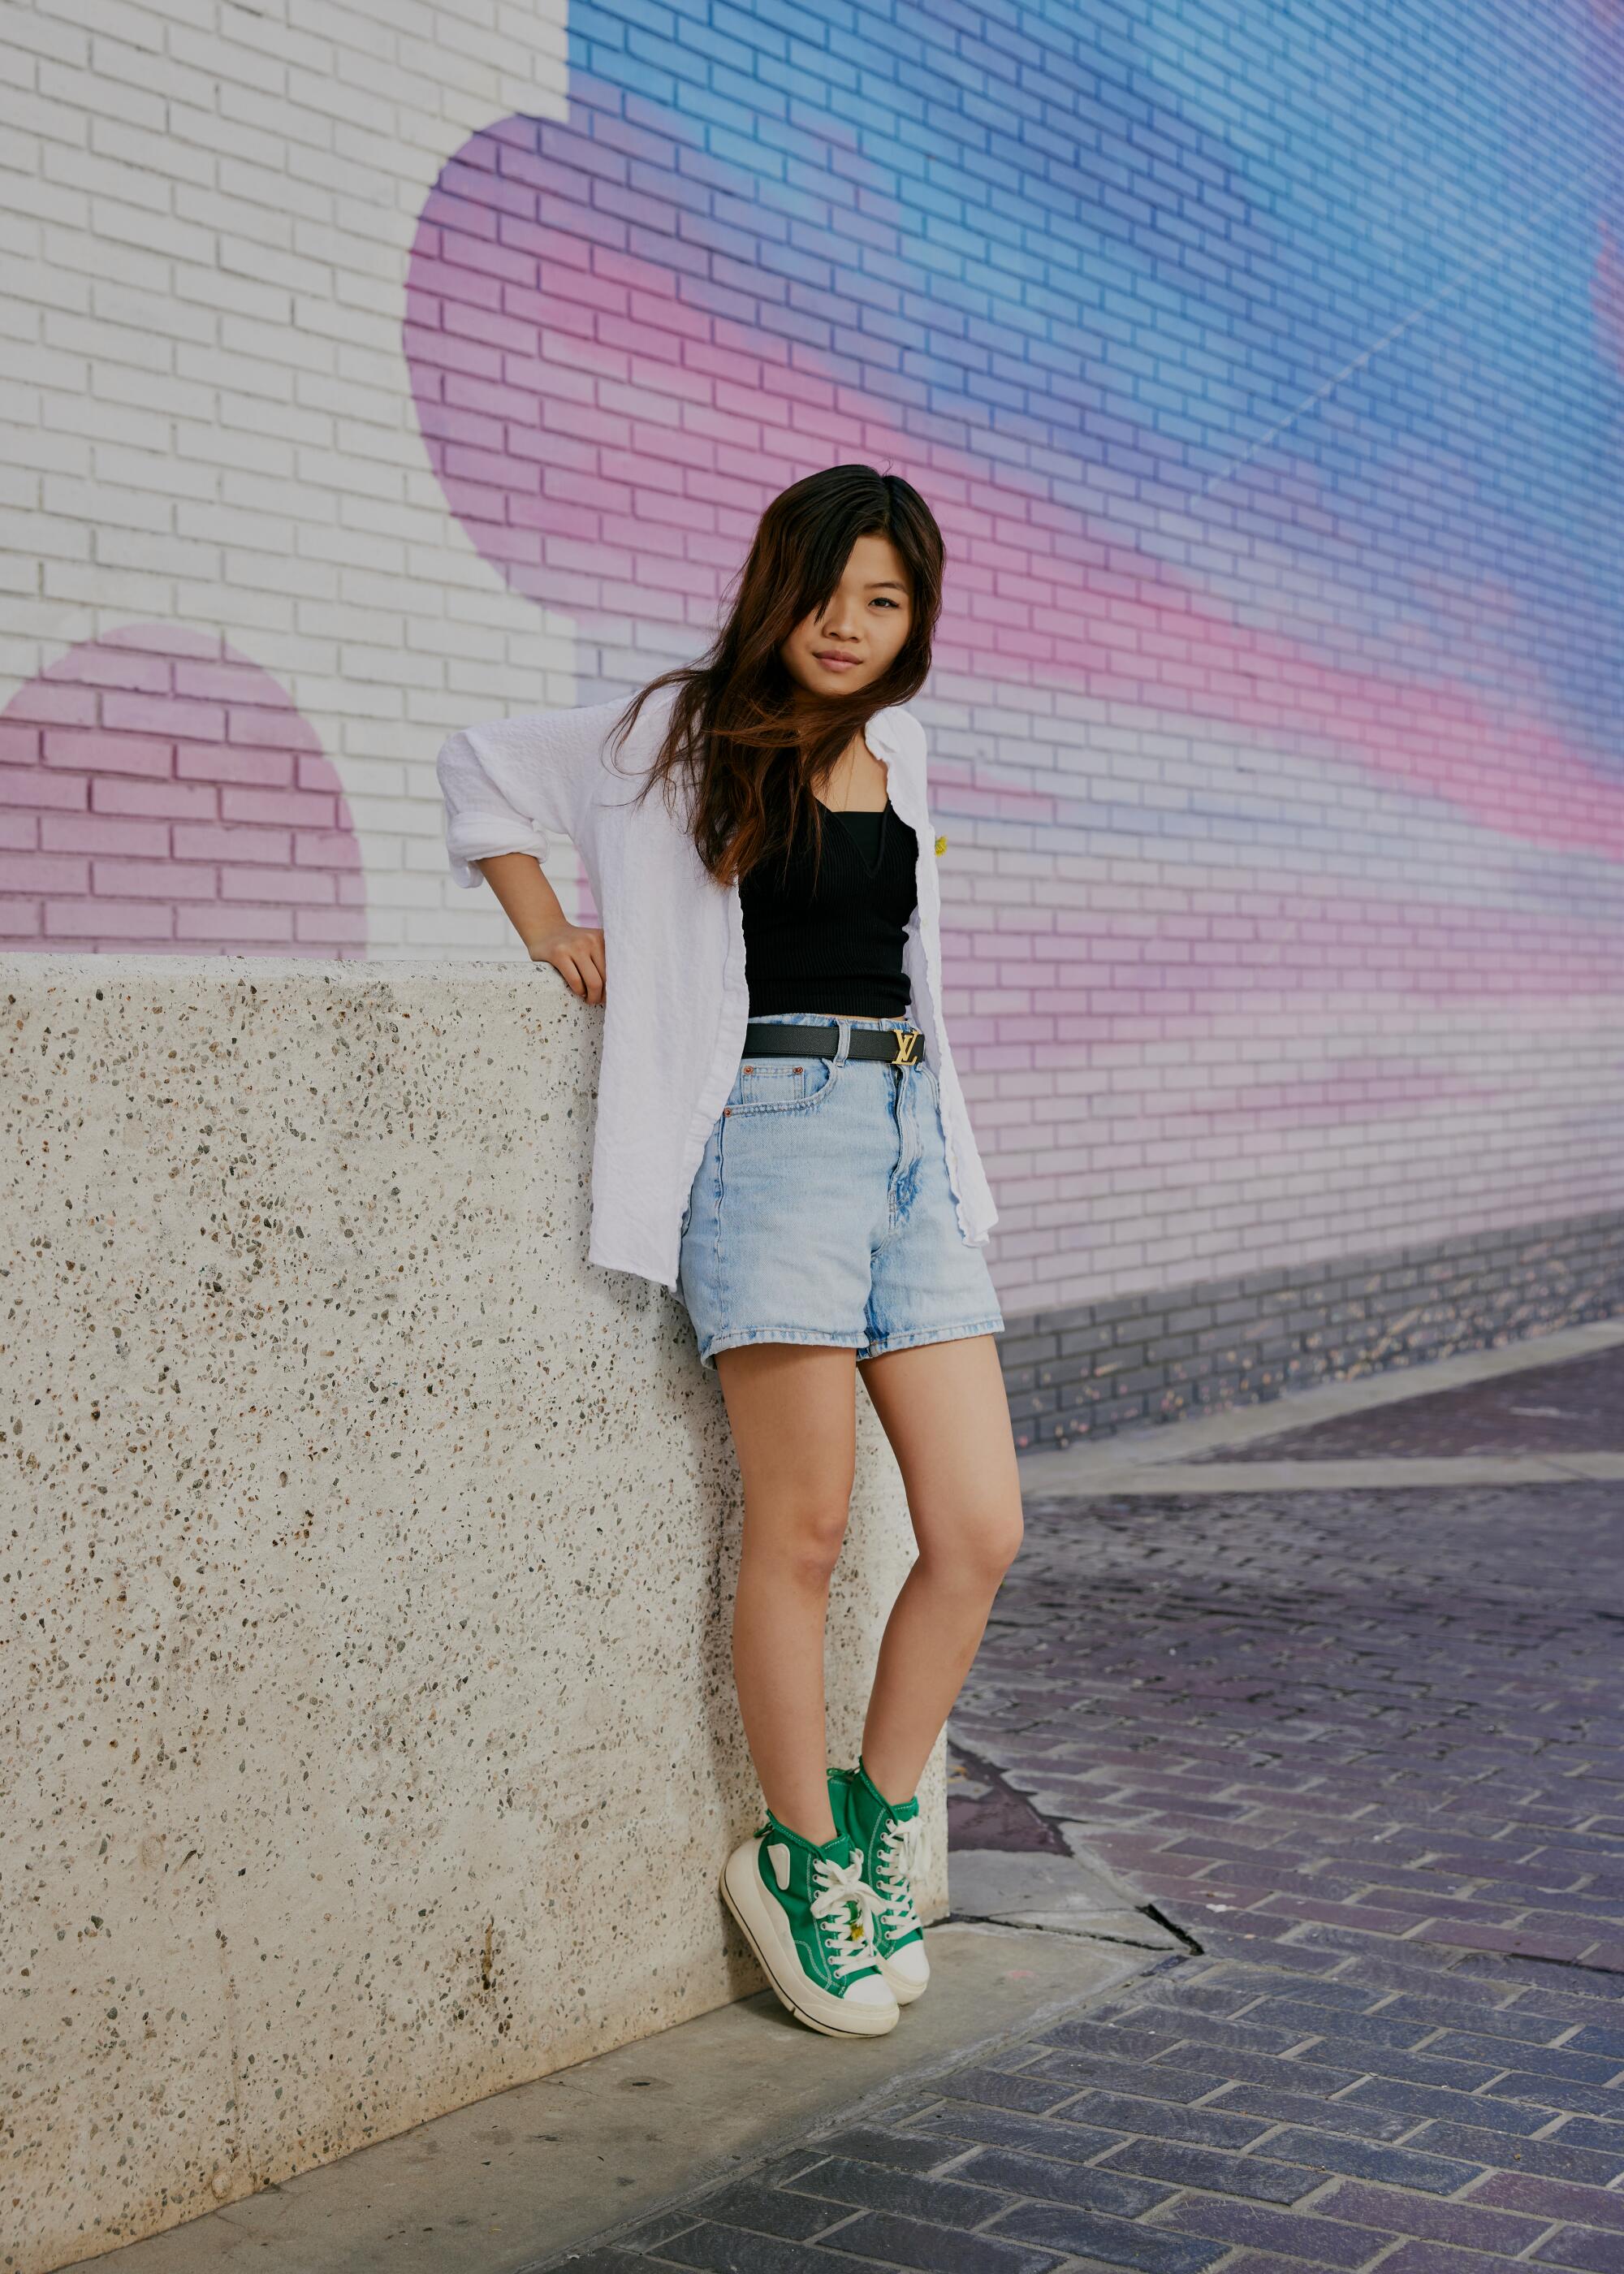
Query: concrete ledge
x=374, y=1559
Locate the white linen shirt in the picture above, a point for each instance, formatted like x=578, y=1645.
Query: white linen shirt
x=675, y=1000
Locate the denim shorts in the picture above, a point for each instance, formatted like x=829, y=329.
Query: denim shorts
x=821, y=1210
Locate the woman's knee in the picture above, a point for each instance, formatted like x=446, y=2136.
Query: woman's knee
x=976, y=1553
x=1007, y=1535
x=803, y=1541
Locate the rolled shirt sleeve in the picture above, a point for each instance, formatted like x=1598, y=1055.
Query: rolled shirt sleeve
x=516, y=785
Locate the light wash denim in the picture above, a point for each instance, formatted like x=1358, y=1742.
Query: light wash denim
x=821, y=1209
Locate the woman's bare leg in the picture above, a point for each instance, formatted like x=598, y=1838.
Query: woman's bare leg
x=945, y=1408
x=793, y=1409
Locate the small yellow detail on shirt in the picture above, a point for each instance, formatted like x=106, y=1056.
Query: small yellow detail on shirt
x=940, y=844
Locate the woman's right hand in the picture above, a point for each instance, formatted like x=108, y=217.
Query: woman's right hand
x=577, y=954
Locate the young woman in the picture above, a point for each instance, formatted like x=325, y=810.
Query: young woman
x=778, y=1140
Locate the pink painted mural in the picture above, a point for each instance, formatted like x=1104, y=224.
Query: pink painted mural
x=161, y=793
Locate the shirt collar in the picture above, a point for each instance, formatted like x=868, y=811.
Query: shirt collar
x=893, y=734
x=887, y=729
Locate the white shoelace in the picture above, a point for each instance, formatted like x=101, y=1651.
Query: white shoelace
x=845, y=1906
x=897, y=1858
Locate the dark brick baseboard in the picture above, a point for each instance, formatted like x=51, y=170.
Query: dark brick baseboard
x=1098, y=1367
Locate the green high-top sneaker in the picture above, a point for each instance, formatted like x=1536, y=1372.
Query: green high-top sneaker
x=807, y=1914
x=887, y=1834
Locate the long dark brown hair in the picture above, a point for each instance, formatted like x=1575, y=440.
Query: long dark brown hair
x=749, y=743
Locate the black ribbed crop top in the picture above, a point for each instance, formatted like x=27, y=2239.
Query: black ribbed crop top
x=838, y=950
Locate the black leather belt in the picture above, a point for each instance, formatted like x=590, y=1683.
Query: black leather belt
x=769, y=1038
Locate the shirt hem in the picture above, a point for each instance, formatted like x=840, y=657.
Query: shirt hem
x=637, y=1270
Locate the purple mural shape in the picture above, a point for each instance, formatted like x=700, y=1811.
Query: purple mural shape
x=162, y=794
x=608, y=401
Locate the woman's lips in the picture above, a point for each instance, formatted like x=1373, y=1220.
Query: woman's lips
x=836, y=662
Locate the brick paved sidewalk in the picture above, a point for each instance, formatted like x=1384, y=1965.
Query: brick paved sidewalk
x=1363, y=1749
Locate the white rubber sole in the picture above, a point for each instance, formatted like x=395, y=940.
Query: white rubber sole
x=762, y=1924
x=902, y=1989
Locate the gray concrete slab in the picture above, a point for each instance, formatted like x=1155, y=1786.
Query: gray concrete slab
x=514, y=2180
x=1063, y=1894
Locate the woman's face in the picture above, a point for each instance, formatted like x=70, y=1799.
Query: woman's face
x=856, y=637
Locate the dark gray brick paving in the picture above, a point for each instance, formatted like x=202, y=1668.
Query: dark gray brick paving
x=1439, y=2258
x=1566, y=2155
x=869, y=2186
x=771, y=2211
x=905, y=2242
x=1260, y=2262
x=1343, y=2118
x=1119, y=2242
x=1212, y=2168
x=1587, y=2205
x=1576, y=2246
x=1384, y=1730
x=1155, y=2079
x=1322, y=2242
x=1049, y=2181
x=1301, y=2073
x=1060, y=2136
x=1163, y=2028
x=730, y=2250
x=1469, y=2226
x=1400, y=2167
x=1550, y=2092
x=607, y=2262
x=1441, y=2067
x=1003, y=2089
x=1451, y=2107
x=1607, y=2138
x=904, y=2151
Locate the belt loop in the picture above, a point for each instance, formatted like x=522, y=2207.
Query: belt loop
x=843, y=1045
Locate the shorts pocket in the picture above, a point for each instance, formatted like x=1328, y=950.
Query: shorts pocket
x=783, y=1085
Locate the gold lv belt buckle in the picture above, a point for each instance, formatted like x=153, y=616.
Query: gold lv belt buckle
x=908, y=1040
